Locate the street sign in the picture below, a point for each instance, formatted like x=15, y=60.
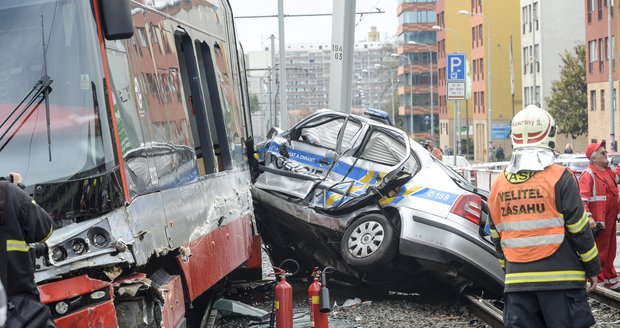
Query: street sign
x=456, y=67
x=456, y=90
x=500, y=131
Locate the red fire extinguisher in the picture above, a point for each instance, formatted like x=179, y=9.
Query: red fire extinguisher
x=318, y=319
x=283, y=301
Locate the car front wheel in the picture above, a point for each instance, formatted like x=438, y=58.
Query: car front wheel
x=369, y=242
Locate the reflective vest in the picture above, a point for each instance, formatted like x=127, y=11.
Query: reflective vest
x=529, y=224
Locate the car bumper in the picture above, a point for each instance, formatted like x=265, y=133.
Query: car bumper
x=441, y=241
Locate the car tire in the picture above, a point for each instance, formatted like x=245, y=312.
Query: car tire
x=369, y=242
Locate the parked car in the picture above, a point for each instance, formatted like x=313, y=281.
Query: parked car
x=461, y=161
x=577, y=163
x=361, y=196
x=614, y=159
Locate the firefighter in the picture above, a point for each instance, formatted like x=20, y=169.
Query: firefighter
x=599, y=193
x=541, y=232
x=24, y=223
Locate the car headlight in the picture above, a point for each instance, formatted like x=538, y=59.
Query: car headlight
x=98, y=295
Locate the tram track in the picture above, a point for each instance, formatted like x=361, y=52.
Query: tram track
x=606, y=296
x=485, y=310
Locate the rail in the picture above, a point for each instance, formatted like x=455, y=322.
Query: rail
x=485, y=310
x=606, y=296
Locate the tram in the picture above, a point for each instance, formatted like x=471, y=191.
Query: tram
x=129, y=121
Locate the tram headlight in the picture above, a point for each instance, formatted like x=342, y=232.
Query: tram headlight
x=59, y=253
x=61, y=307
x=100, y=240
x=79, y=246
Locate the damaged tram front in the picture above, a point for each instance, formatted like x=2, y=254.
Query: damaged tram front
x=128, y=121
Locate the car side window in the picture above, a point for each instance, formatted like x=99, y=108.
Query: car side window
x=324, y=135
x=383, y=149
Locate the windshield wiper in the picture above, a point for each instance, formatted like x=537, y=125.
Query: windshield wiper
x=39, y=93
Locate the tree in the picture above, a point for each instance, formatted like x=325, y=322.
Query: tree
x=568, y=102
x=254, y=103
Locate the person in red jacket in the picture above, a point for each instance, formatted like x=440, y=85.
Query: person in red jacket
x=599, y=194
x=430, y=145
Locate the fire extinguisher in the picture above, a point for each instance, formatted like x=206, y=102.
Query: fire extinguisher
x=283, y=299
x=318, y=298
x=284, y=302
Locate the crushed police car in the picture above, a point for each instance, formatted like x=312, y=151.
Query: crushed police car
x=358, y=195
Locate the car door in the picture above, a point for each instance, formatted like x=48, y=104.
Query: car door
x=306, y=153
x=361, y=173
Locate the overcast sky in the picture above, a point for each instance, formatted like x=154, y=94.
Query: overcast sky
x=254, y=32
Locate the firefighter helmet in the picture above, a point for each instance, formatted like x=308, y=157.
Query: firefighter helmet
x=533, y=127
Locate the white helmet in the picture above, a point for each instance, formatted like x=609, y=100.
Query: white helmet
x=533, y=127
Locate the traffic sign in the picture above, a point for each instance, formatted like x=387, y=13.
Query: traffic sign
x=456, y=90
x=456, y=67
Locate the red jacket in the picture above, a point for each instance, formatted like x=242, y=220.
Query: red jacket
x=597, y=195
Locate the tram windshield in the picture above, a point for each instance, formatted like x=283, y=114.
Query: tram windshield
x=55, y=39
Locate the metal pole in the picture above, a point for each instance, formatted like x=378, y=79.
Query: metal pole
x=458, y=128
x=489, y=75
x=272, y=82
x=535, y=59
x=456, y=140
x=393, y=100
x=410, y=98
x=612, y=134
x=283, y=105
x=430, y=57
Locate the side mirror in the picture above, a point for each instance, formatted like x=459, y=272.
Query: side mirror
x=116, y=19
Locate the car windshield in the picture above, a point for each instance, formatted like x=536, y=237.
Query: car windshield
x=80, y=140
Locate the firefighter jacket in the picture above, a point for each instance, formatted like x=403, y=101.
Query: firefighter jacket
x=25, y=222
x=598, y=192
x=541, y=231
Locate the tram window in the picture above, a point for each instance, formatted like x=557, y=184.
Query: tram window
x=195, y=108
x=222, y=148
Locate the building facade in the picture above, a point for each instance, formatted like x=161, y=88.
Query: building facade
x=453, y=36
x=496, y=87
x=543, y=41
x=418, y=53
x=600, y=99
x=307, y=75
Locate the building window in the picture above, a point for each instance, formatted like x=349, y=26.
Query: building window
x=535, y=15
x=602, y=100
x=526, y=60
x=536, y=61
x=480, y=35
x=482, y=100
x=590, y=10
x=593, y=100
x=526, y=95
x=593, y=56
x=601, y=62
x=600, y=10
x=481, y=68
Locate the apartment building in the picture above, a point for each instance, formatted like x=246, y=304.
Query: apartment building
x=600, y=99
x=418, y=52
x=453, y=36
x=496, y=85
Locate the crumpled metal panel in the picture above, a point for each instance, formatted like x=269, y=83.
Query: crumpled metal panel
x=530, y=159
x=287, y=185
x=195, y=210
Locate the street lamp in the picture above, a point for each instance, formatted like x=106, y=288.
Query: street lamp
x=486, y=22
x=430, y=72
x=410, y=91
x=392, y=71
x=458, y=39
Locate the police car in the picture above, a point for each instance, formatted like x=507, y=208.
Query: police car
x=359, y=195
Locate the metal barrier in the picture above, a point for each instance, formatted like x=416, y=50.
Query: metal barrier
x=482, y=175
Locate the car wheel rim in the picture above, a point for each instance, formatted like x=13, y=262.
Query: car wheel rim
x=366, y=239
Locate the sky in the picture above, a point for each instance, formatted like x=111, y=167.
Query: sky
x=254, y=32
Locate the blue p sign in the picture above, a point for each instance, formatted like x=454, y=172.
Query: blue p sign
x=456, y=67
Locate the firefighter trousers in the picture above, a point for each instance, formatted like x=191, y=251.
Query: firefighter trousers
x=549, y=308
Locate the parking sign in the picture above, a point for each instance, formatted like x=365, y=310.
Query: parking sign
x=456, y=67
